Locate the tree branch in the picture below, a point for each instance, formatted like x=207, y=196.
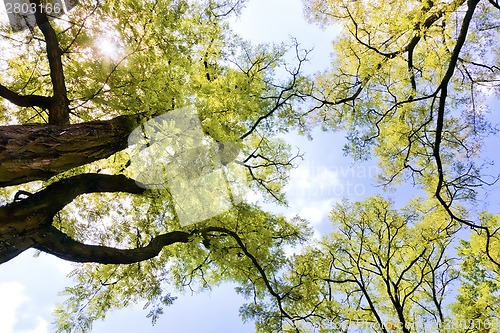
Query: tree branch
x=25, y=101
x=38, y=152
x=59, y=108
x=419, y=29
x=59, y=244
x=285, y=95
x=495, y=4
x=23, y=224
x=443, y=87
x=54, y=197
x=256, y=264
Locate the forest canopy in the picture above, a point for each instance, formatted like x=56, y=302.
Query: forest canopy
x=412, y=84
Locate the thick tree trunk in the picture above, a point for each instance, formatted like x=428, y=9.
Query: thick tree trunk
x=38, y=152
x=59, y=106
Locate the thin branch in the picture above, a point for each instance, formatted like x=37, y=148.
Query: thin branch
x=285, y=95
x=255, y=263
x=495, y=4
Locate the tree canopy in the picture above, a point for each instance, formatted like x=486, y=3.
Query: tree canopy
x=410, y=83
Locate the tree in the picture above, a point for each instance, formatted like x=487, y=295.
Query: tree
x=68, y=111
x=411, y=90
x=380, y=270
x=411, y=83
x=387, y=270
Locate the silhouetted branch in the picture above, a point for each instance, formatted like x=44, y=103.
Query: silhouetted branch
x=59, y=244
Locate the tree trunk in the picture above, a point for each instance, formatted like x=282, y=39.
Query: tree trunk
x=38, y=152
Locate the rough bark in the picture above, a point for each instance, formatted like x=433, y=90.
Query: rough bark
x=38, y=152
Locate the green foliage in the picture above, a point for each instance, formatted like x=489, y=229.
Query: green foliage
x=409, y=89
x=385, y=86
x=195, y=266
x=379, y=267
x=150, y=57
x=479, y=294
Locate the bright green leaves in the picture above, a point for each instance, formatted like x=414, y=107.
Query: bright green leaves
x=388, y=262
x=138, y=59
x=479, y=292
x=410, y=94
x=100, y=288
x=230, y=247
x=379, y=266
x=386, y=85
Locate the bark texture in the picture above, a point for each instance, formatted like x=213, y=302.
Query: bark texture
x=59, y=106
x=38, y=152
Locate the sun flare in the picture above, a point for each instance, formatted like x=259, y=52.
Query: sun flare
x=108, y=48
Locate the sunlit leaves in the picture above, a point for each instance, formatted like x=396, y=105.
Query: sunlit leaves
x=194, y=266
x=479, y=293
x=379, y=265
x=384, y=86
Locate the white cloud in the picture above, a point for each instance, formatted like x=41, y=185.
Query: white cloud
x=41, y=327
x=316, y=211
x=313, y=183
x=63, y=266
x=253, y=196
x=13, y=297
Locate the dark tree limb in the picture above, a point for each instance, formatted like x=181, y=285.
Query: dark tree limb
x=55, y=196
x=267, y=282
x=23, y=224
x=59, y=244
x=495, y=4
x=59, y=107
x=425, y=25
x=13, y=244
x=443, y=88
x=286, y=94
x=25, y=101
